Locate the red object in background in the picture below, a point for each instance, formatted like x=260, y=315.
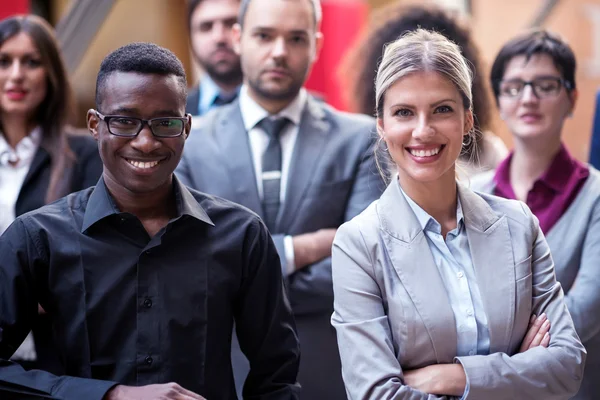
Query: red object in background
x=342, y=22
x=12, y=7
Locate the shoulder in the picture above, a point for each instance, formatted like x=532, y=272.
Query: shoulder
x=483, y=182
x=361, y=230
x=516, y=212
x=58, y=215
x=224, y=212
x=349, y=122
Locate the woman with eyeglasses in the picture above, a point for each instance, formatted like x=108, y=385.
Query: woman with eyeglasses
x=533, y=78
x=41, y=159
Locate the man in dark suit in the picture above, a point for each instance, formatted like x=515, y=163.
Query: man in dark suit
x=304, y=167
x=210, y=23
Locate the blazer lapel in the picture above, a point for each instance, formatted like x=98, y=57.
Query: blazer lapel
x=492, y=257
x=236, y=155
x=312, y=135
x=411, y=257
x=40, y=159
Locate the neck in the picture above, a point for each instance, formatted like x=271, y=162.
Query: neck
x=531, y=159
x=272, y=106
x=15, y=128
x=154, y=205
x=227, y=87
x=437, y=198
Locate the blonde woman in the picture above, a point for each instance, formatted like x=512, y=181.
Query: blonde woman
x=439, y=291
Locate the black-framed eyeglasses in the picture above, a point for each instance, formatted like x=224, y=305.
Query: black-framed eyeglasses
x=165, y=127
x=542, y=87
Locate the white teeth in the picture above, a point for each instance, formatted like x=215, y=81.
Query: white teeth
x=425, y=153
x=143, y=165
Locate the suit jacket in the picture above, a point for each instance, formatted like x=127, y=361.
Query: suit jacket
x=332, y=178
x=574, y=242
x=191, y=105
x=85, y=173
x=392, y=312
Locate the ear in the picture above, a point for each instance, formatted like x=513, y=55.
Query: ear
x=469, y=122
x=92, y=122
x=236, y=35
x=574, y=95
x=319, y=40
x=380, y=131
x=188, y=126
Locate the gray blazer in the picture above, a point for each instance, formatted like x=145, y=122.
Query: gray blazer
x=333, y=178
x=392, y=313
x=575, y=245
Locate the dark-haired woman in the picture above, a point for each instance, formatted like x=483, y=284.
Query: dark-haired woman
x=41, y=159
x=533, y=78
x=483, y=151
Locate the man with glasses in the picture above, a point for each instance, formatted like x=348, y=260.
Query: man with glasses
x=142, y=277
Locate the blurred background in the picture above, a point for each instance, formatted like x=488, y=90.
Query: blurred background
x=89, y=29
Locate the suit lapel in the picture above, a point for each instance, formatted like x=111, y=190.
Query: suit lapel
x=236, y=154
x=411, y=257
x=310, y=143
x=492, y=257
x=40, y=159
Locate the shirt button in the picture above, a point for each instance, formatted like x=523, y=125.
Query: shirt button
x=149, y=360
x=460, y=274
x=148, y=303
x=470, y=312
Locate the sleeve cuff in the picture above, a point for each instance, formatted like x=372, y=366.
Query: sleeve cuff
x=468, y=385
x=290, y=265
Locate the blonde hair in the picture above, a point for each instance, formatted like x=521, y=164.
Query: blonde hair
x=421, y=51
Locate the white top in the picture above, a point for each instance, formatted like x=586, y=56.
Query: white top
x=14, y=165
x=252, y=114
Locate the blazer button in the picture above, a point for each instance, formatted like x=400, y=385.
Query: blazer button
x=149, y=360
x=148, y=303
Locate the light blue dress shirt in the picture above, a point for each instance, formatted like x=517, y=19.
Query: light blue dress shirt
x=453, y=260
x=209, y=91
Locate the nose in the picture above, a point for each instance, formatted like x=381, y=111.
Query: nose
x=219, y=32
x=16, y=70
x=279, y=48
x=423, y=130
x=528, y=96
x=145, y=142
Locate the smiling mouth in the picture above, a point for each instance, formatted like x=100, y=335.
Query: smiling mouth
x=425, y=153
x=143, y=164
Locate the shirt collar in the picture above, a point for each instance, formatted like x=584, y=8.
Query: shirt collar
x=101, y=205
x=24, y=151
x=253, y=113
x=560, y=171
x=208, y=93
x=426, y=221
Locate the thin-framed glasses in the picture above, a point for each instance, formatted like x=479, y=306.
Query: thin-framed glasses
x=542, y=88
x=165, y=127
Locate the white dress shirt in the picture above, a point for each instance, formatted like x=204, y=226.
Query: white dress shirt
x=453, y=259
x=252, y=114
x=14, y=166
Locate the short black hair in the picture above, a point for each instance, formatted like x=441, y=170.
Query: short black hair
x=530, y=44
x=143, y=58
x=316, y=6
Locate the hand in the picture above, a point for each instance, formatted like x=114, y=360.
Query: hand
x=538, y=333
x=312, y=247
x=438, y=379
x=166, y=391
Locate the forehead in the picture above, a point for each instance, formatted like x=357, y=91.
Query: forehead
x=538, y=65
x=417, y=87
x=283, y=15
x=214, y=10
x=21, y=43
x=146, y=93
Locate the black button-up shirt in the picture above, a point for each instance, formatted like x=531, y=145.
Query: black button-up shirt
x=136, y=310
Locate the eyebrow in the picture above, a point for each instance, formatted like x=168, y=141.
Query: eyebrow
x=135, y=111
x=269, y=29
x=535, y=77
x=431, y=105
